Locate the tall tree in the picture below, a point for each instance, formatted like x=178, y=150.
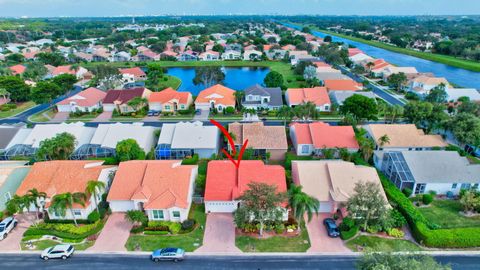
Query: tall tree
x=397, y=80
x=302, y=203
x=367, y=204
x=372, y=260
x=137, y=103
x=18, y=89
x=437, y=94
x=466, y=128
x=129, y=150
x=306, y=111
x=65, y=81
x=208, y=76
x=34, y=197
x=360, y=107
x=60, y=147
x=285, y=113
x=62, y=202
x=45, y=92
x=93, y=188
x=273, y=79
x=260, y=203
x=384, y=140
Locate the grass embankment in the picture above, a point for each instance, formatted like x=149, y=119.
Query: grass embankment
x=444, y=59
x=20, y=108
x=188, y=241
x=381, y=244
x=40, y=116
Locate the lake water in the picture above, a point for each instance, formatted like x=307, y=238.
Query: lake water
x=236, y=78
x=458, y=76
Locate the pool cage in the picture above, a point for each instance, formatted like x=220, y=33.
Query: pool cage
x=396, y=169
x=164, y=151
x=87, y=151
x=19, y=151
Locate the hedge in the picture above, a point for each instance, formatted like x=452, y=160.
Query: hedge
x=156, y=232
x=345, y=235
x=191, y=160
x=439, y=238
x=65, y=231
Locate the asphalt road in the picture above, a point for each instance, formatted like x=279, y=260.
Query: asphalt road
x=121, y=262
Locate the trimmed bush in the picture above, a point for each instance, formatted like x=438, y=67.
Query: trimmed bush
x=156, y=232
x=407, y=191
x=396, y=233
x=190, y=161
x=137, y=229
x=427, y=199
x=187, y=225
x=93, y=217
x=173, y=227
x=64, y=230
x=345, y=235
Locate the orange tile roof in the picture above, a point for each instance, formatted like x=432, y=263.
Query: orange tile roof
x=342, y=85
x=354, y=51
x=135, y=71
x=169, y=94
x=219, y=93
x=60, y=176
x=316, y=95
x=17, y=69
x=63, y=70
x=259, y=136
x=86, y=98
x=160, y=183
x=222, y=184
x=322, y=135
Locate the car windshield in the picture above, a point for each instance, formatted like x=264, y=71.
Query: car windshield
x=2, y=228
x=70, y=248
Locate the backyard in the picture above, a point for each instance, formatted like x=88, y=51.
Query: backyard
x=188, y=241
x=445, y=213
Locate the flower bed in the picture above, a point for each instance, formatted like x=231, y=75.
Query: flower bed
x=65, y=231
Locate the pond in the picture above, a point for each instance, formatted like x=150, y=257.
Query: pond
x=458, y=76
x=237, y=78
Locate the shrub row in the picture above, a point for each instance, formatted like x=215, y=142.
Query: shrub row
x=421, y=229
x=169, y=226
x=345, y=235
x=156, y=232
x=66, y=231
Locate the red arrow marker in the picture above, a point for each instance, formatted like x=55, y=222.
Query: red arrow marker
x=232, y=145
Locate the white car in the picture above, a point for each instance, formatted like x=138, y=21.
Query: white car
x=57, y=252
x=6, y=226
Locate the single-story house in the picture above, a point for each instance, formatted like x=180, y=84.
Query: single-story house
x=231, y=55
x=250, y=55
x=312, y=138
x=121, y=56
x=403, y=137
x=225, y=183
x=342, y=85
x=339, y=97
x=106, y=136
x=146, y=55
x=423, y=84
x=161, y=188
x=87, y=100
x=217, y=96
x=12, y=174
x=315, y=95
x=118, y=99
x=209, y=56
x=79, y=72
x=262, y=139
x=275, y=54
x=423, y=171
x=455, y=93
x=259, y=97
x=184, y=139
x=332, y=182
x=360, y=57
x=387, y=72
x=326, y=74
x=376, y=66
x=62, y=176
x=137, y=72
x=188, y=56
x=28, y=140
x=169, y=100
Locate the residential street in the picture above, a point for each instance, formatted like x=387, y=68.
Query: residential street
x=120, y=262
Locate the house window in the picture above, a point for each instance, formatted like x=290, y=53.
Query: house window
x=77, y=213
x=465, y=186
x=176, y=214
x=418, y=149
x=420, y=188
x=157, y=214
x=220, y=108
x=305, y=149
x=454, y=185
x=182, y=107
x=167, y=107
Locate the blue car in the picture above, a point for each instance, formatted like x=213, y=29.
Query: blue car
x=168, y=254
x=331, y=227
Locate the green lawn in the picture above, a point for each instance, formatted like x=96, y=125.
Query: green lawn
x=444, y=59
x=39, y=117
x=165, y=82
x=43, y=244
x=274, y=244
x=20, y=108
x=189, y=241
x=381, y=244
x=445, y=214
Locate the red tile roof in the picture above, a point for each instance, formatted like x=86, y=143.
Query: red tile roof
x=161, y=183
x=342, y=85
x=122, y=96
x=219, y=93
x=322, y=135
x=63, y=70
x=18, y=69
x=86, y=98
x=354, y=51
x=316, y=95
x=222, y=184
x=135, y=71
x=168, y=94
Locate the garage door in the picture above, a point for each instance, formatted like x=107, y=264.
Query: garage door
x=325, y=207
x=220, y=207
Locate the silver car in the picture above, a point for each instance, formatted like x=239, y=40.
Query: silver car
x=6, y=226
x=57, y=252
x=168, y=254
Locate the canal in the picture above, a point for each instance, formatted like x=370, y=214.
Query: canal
x=457, y=76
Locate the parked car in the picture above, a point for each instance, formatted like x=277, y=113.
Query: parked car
x=153, y=113
x=168, y=254
x=6, y=226
x=332, y=228
x=58, y=252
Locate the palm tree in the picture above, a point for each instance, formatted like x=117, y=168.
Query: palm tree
x=33, y=197
x=239, y=97
x=285, y=113
x=306, y=111
x=61, y=202
x=16, y=204
x=383, y=140
x=93, y=187
x=302, y=203
x=4, y=94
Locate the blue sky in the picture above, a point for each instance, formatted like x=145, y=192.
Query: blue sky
x=79, y=8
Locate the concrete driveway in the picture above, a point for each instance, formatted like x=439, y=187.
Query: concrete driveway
x=103, y=117
x=319, y=239
x=203, y=116
x=219, y=234
x=60, y=117
x=114, y=235
x=12, y=242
